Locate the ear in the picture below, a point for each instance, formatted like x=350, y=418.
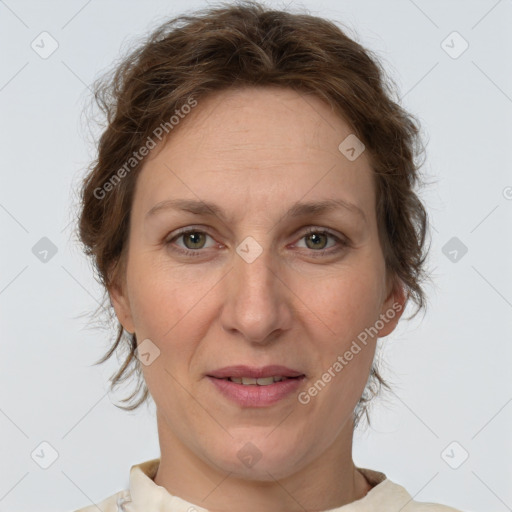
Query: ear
x=393, y=306
x=121, y=304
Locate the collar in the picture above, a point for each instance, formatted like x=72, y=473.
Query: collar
x=146, y=495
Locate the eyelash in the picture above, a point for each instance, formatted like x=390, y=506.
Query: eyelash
x=342, y=243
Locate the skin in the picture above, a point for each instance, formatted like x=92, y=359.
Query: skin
x=255, y=152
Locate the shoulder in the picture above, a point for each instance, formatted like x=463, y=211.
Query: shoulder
x=113, y=503
x=140, y=484
x=396, y=495
x=418, y=506
x=421, y=506
x=386, y=493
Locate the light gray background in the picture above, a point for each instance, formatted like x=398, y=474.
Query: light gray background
x=451, y=371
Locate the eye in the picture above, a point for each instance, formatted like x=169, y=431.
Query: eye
x=193, y=239
x=316, y=239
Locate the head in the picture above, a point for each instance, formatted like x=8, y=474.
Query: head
x=251, y=113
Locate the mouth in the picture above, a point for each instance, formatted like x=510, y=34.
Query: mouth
x=251, y=375
x=252, y=381
x=256, y=387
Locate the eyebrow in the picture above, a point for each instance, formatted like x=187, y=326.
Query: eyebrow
x=299, y=209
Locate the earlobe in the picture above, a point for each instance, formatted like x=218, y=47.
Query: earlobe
x=393, y=307
x=121, y=305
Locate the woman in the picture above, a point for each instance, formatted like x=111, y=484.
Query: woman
x=252, y=216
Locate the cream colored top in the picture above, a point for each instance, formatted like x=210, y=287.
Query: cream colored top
x=144, y=495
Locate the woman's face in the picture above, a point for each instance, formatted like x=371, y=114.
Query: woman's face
x=261, y=280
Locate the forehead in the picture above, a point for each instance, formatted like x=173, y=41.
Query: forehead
x=262, y=120
x=257, y=147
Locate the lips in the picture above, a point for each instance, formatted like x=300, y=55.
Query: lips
x=251, y=372
x=263, y=381
x=257, y=395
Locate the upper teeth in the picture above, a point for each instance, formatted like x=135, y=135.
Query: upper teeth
x=264, y=381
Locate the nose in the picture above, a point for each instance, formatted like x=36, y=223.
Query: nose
x=257, y=305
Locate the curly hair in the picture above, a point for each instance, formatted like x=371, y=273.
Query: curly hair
x=230, y=46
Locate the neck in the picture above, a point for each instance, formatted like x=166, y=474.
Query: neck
x=329, y=481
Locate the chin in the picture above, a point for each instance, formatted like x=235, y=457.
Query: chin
x=258, y=457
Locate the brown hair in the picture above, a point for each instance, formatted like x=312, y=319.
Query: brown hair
x=249, y=44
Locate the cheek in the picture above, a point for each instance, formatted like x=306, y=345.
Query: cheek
x=163, y=300
x=348, y=302
x=347, y=307
x=170, y=307
x=166, y=309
